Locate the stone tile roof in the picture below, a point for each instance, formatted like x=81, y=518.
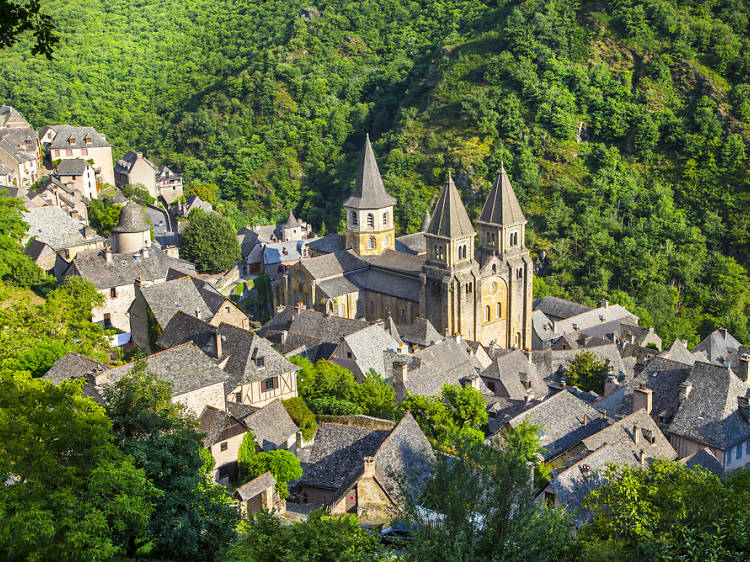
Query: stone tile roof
x=595, y=317
x=401, y=262
x=542, y=326
x=247, y=239
x=125, y=164
x=338, y=286
x=72, y=167
x=10, y=117
x=387, y=283
x=501, y=206
x=718, y=346
x=710, y=415
x=449, y=219
x=572, y=485
x=132, y=219
x=446, y=362
x=290, y=221
x=67, y=136
x=195, y=202
x=390, y=327
x=329, y=265
x=271, y=426
x=367, y=346
x=679, y=352
x=338, y=451
x=218, y=426
x=565, y=419
x=660, y=447
x=72, y=366
x=508, y=369
x=704, y=459
x=618, y=330
x=240, y=411
x=420, y=332
x=369, y=191
x=328, y=244
x=184, y=327
x=412, y=243
x=12, y=148
x=558, y=309
x=168, y=298
x=251, y=489
x=124, y=269
x=553, y=364
x=185, y=366
x=282, y=252
x=56, y=228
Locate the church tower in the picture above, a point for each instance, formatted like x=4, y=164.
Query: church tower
x=450, y=273
x=369, y=210
x=506, y=269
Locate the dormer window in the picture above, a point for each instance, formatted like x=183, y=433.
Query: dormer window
x=260, y=362
x=88, y=140
x=71, y=140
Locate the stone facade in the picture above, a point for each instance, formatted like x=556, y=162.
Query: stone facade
x=197, y=400
x=260, y=393
x=226, y=460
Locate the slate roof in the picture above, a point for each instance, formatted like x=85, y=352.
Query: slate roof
x=704, y=459
x=624, y=428
x=328, y=244
x=283, y=252
x=251, y=489
x=367, y=346
x=54, y=227
x=420, y=332
x=124, y=269
x=553, y=364
x=185, y=366
x=679, y=352
x=131, y=157
x=557, y=309
x=240, y=411
x=65, y=133
x=72, y=366
x=218, y=426
x=572, y=485
x=132, y=219
x=565, y=419
x=391, y=260
x=542, y=326
x=710, y=415
x=718, y=345
x=184, y=327
x=290, y=222
x=501, y=206
x=72, y=167
x=390, y=327
x=10, y=117
x=593, y=318
x=195, y=202
x=412, y=243
x=378, y=280
x=446, y=362
x=508, y=369
x=338, y=451
x=369, y=191
x=449, y=219
x=271, y=426
x=247, y=239
x=330, y=265
x=168, y=298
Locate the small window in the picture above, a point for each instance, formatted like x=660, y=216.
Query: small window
x=499, y=308
x=469, y=288
x=224, y=446
x=348, y=354
x=226, y=308
x=260, y=362
x=729, y=455
x=371, y=243
x=372, y=307
x=486, y=313
x=68, y=152
x=354, y=218
x=84, y=152
x=385, y=219
x=519, y=273
x=107, y=320
x=71, y=140
x=403, y=316
x=238, y=397
x=370, y=220
x=738, y=452
x=113, y=292
x=269, y=384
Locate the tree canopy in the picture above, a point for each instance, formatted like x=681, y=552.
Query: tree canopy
x=588, y=372
x=18, y=17
x=209, y=241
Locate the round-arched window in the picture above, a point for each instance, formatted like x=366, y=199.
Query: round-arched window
x=370, y=220
x=354, y=218
x=371, y=242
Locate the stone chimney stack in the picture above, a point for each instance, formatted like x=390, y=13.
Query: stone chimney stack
x=643, y=397
x=605, y=303
x=685, y=389
x=743, y=405
x=108, y=255
x=400, y=378
x=636, y=434
x=198, y=313
x=219, y=345
x=284, y=336
x=743, y=370
x=369, y=467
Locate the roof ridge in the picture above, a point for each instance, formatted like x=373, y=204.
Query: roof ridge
x=392, y=431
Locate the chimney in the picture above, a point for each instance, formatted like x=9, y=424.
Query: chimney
x=457, y=337
x=298, y=439
x=554, y=327
x=642, y=457
x=636, y=434
x=400, y=378
x=218, y=340
x=528, y=354
x=605, y=303
x=643, y=397
x=723, y=332
x=284, y=335
x=139, y=154
x=369, y=467
x=144, y=252
x=685, y=389
x=107, y=255
x=743, y=370
x=743, y=406
x=88, y=232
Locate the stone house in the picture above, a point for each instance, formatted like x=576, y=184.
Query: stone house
x=135, y=169
x=362, y=351
x=64, y=142
x=18, y=155
x=79, y=175
x=358, y=469
x=718, y=346
x=223, y=438
x=514, y=376
x=420, y=333
x=55, y=193
x=272, y=426
x=6, y=176
x=73, y=366
x=260, y=493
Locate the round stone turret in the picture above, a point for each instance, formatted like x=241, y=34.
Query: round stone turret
x=132, y=231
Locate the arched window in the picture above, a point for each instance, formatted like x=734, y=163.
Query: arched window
x=499, y=308
x=486, y=313
x=519, y=274
x=370, y=220
x=372, y=307
x=494, y=268
x=403, y=316
x=385, y=218
x=468, y=287
x=371, y=242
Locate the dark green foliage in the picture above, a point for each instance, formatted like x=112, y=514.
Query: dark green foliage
x=522, y=442
x=194, y=519
x=38, y=359
x=669, y=512
x=16, y=268
x=302, y=416
x=137, y=193
x=588, y=372
x=283, y=464
x=103, y=216
x=245, y=453
x=209, y=242
x=69, y=493
x=334, y=406
x=320, y=538
x=18, y=17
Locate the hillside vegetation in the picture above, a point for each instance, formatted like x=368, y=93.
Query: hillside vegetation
x=624, y=125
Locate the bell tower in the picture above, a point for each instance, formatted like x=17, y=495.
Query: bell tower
x=450, y=273
x=506, y=268
x=369, y=210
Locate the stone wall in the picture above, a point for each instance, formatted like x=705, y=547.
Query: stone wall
x=197, y=400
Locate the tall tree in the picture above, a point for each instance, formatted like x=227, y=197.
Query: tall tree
x=19, y=16
x=209, y=241
x=194, y=519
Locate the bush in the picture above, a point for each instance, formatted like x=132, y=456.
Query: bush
x=246, y=453
x=302, y=416
x=209, y=242
x=138, y=193
x=335, y=407
x=281, y=463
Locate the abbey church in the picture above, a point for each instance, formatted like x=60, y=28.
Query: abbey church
x=482, y=291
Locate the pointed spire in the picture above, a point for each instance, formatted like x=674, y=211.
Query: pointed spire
x=450, y=219
x=425, y=221
x=369, y=191
x=290, y=222
x=502, y=206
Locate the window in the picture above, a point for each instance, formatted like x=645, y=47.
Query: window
x=462, y=252
x=747, y=449
x=354, y=218
x=71, y=141
x=513, y=239
x=486, y=313
x=385, y=218
x=238, y=397
x=499, y=311
x=107, y=320
x=371, y=243
x=729, y=456
x=738, y=452
x=84, y=152
x=68, y=152
x=56, y=153
x=226, y=309
x=403, y=316
x=494, y=268
x=269, y=384
x=348, y=354
x=224, y=446
x=260, y=362
x=113, y=292
x=469, y=287
x=370, y=220
x=519, y=273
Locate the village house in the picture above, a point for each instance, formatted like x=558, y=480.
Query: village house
x=72, y=366
x=78, y=175
x=361, y=352
x=260, y=493
x=65, y=142
x=271, y=425
x=718, y=346
x=6, y=176
x=160, y=182
x=223, y=438
x=18, y=157
x=54, y=193
x=513, y=375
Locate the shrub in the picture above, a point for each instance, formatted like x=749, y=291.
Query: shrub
x=335, y=406
x=281, y=463
x=302, y=416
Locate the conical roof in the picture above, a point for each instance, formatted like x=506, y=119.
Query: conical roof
x=290, y=222
x=132, y=219
x=502, y=205
x=425, y=221
x=369, y=191
x=450, y=219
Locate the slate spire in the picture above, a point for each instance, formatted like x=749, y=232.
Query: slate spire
x=369, y=191
x=290, y=222
x=425, y=221
x=450, y=219
x=502, y=206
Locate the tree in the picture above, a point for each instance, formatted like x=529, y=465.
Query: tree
x=103, y=216
x=16, y=268
x=209, y=241
x=245, y=453
x=138, y=193
x=377, y=397
x=17, y=18
x=69, y=493
x=522, y=441
x=283, y=464
x=321, y=538
x=669, y=512
x=194, y=520
x=588, y=372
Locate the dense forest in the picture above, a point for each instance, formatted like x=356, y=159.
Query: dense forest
x=623, y=124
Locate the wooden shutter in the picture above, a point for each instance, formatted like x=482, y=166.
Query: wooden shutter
x=275, y=383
